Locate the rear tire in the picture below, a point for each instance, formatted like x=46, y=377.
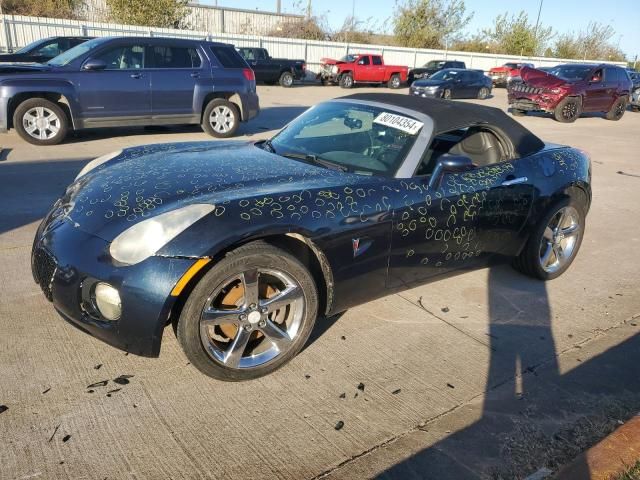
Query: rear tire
x=286, y=80
x=568, y=110
x=221, y=118
x=40, y=122
x=346, y=80
x=394, y=82
x=483, y=93
x=617, y=110
x=236, y=346
x=545, y=240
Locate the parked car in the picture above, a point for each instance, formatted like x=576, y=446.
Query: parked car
x=502, y=76
x=242, y=244
x=432, y=67
x=361, y=68
x=271, y=70
x=569, y=90
x=41, y=51
x=635, y=94
x=116, y=81
x=453, y=83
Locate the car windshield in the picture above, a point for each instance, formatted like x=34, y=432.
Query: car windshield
x=32, y=46
x=444, y=75
x=434, y=64
x=73, y=53
x=571, y=72
x=353, y=137
x=348, y=58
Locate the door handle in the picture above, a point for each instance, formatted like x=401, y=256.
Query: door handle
x=514, y=181
x=195, y=75
x=135, y=75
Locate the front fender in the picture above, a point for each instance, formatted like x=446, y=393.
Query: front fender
x=11, y=88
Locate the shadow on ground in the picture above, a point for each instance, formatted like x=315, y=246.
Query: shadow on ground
x=532, y=417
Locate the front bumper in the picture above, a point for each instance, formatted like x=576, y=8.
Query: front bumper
x=499, y=80
x=635, y=98
x=532, y=102
x=425, y=93
x=67, y=262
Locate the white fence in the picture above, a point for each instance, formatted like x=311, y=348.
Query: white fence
x=16, y=31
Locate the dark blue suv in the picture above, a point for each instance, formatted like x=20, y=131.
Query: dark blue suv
x=123, y=81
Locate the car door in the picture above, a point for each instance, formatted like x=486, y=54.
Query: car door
x=119, y=93
x=363, y=69
x=461, y=219
x=175, y=71
x=596, y=97
x=378, y=70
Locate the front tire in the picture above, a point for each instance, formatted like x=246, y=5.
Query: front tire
x=40, y=122
x=554, y=243
x=568, y=110
x=394, y=82
x=221, y=118
x=346, y=80
x=483, y=93
x=249, y=315
x=617, y=110
x=446, y=94
x=286, y=80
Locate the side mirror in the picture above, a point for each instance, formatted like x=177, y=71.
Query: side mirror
x=448, y=163
x=94, y=64
x=352, y=123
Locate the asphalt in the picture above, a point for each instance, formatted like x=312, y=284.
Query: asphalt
x=486, y=375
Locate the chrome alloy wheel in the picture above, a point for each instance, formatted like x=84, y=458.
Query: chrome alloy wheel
x=41, y=123
x=395, y=82
x=559, y=240
x=222, y=119
x=252, y=318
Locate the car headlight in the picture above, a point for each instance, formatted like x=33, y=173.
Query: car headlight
x=97, y=162
x=147, y=237
x=334, y=69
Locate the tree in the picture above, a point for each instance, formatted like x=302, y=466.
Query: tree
x=43, y=8
x=429, y=23
x=150, y=13
x=594, y=43
x=312, y=28
x=513, y=35
x=475, y=43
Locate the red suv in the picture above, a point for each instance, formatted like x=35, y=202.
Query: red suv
x=568, y=90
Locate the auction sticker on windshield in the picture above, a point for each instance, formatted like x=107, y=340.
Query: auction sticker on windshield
x=406, y=124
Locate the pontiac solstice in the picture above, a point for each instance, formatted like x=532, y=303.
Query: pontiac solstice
x=241, y=245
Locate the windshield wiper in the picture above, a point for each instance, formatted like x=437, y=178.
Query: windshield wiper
x=315, y=159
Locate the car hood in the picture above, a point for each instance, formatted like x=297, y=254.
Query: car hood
x=145, y=181
x=429, y=83
x=331, y=61
x=7, y=68
x=539, y=78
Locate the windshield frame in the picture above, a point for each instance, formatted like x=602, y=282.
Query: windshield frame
x=434, y=64
x=406, y=166
x=65, y=58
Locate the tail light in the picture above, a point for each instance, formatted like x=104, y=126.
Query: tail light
x=248, y=74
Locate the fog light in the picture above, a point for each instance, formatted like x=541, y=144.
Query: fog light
x=108, y=301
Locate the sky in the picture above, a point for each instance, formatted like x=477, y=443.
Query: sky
x=562, y=15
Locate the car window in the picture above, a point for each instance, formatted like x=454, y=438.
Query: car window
x=247, y=53
x=260, y=54
x=612, y=75
x=571, y=72
x=435, y=64
x=77, y=51
x=445, y=75
x=228, y=57
x=365, y=139
x=377, y=60
x=51, y=49
x=162, y=56
x=123, y=57
x=597, y=75
x=363, y=61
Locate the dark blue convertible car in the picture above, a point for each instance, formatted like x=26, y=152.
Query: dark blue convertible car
x=242, y=245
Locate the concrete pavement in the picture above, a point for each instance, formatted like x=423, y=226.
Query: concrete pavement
x=461, y=352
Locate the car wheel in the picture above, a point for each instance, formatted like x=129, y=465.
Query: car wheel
x=554, y=244
x=394, y=82
x=446, y=94
x=517, y=112
x=635, y=108
x=250, y=314
x=568, y=110
x=483, y=93
x=286, y=79
x=40, y=121
x=346, y=80
x=617, y=109
x=221, y=118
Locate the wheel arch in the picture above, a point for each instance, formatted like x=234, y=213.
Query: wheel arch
x=232, y=97
x=59, y=98
x=296, y=244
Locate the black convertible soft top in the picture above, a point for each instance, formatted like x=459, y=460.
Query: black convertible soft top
x=450, y=115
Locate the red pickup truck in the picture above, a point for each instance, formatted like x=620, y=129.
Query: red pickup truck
x=361, y=68
x=502, y=76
